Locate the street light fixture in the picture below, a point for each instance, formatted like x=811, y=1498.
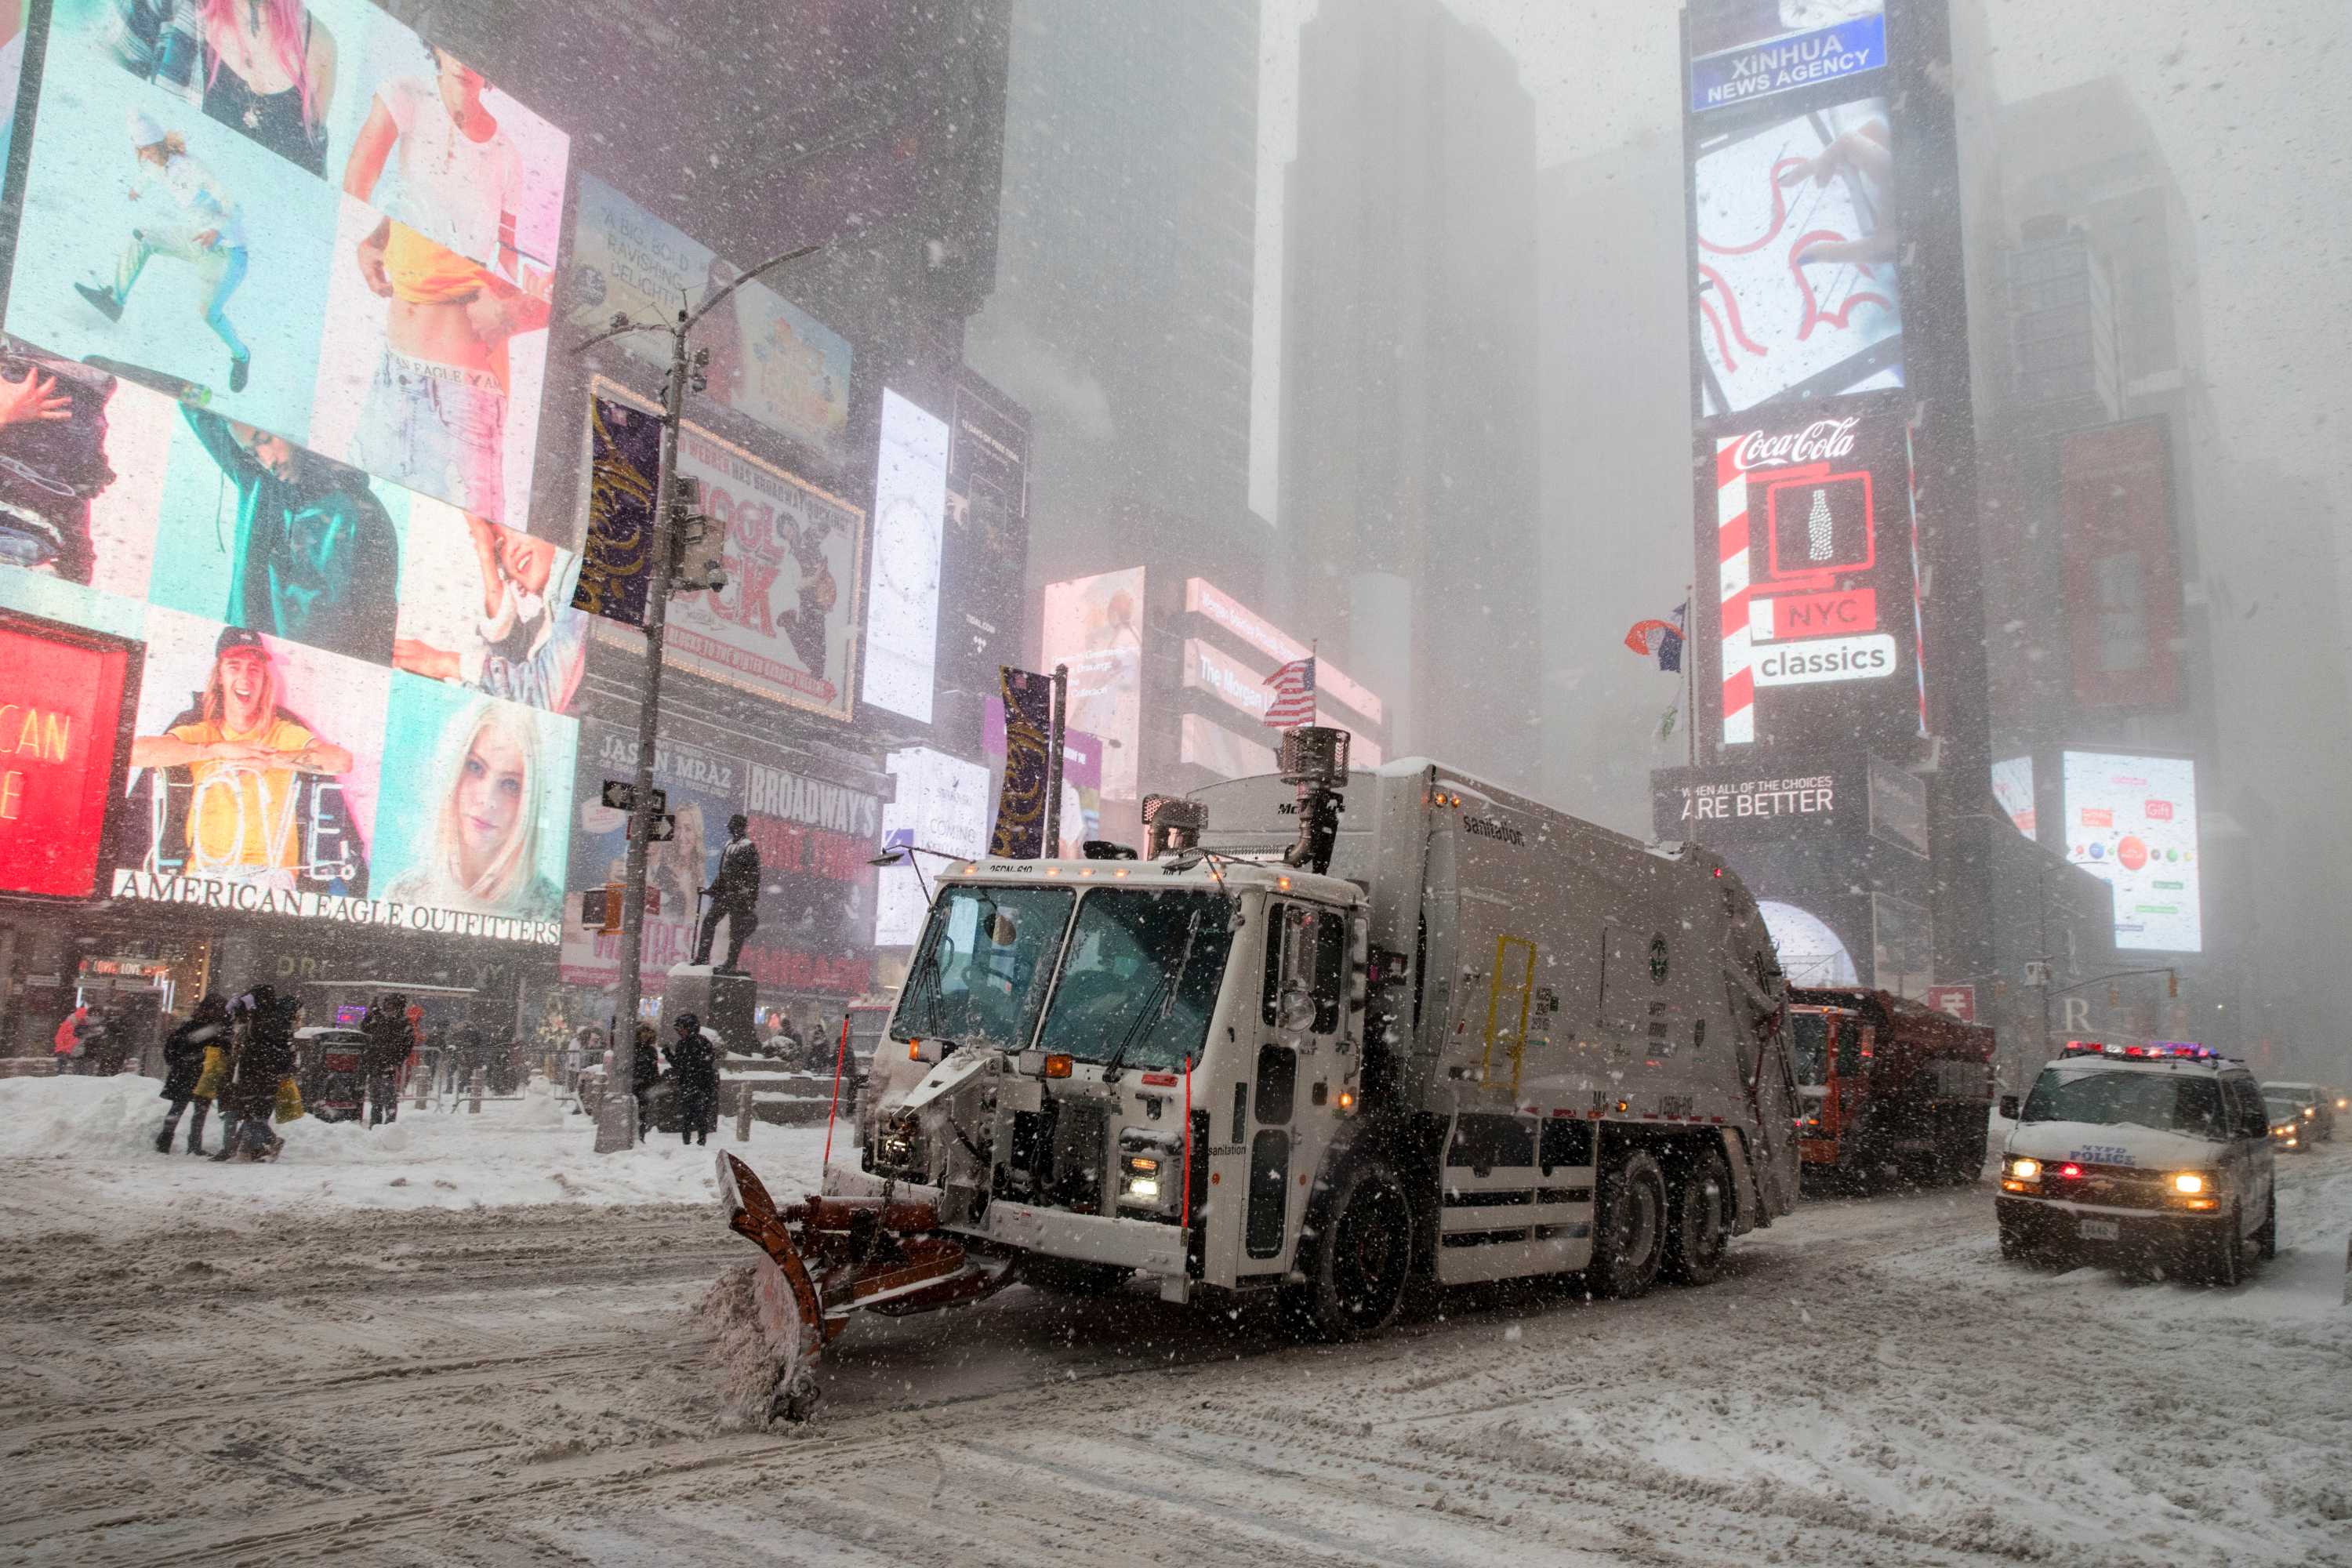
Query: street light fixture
x=616, y=1120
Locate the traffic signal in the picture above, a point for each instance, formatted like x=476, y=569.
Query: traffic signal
x=2172, y=983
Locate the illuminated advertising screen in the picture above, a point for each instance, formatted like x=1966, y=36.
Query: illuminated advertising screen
x=302, y=628
x=1206, y=599
x=2123, y=566
x=61, y=744
x=2131, y=821
x=304, y=218
x=902, y=620
x=1094, y=625
x=942, y=805
x=1816, y=622
x=2012, y=788
x=1213, y=746
x=770, y=360
x=1742, y=50
x=814, y=837
x=1795, y=261
x=785, y=626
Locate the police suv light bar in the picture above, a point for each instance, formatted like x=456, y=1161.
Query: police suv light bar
x=2176, y=1050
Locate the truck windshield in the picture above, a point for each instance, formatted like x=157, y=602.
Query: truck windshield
x=2191, y=1105
x=980, y=972
x=1141, y=978
x=1809, y=1047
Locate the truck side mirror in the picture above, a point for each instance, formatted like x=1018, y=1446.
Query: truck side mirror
x=2009, y=1107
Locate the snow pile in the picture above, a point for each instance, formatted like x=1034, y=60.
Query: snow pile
x=757, y=1340
x=79, y=1152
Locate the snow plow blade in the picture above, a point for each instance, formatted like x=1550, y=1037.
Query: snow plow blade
x=833, y=1257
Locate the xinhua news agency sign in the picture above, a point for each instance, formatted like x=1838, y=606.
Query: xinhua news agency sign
x=1770, y=66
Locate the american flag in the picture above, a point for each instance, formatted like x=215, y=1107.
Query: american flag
x=1293, y=694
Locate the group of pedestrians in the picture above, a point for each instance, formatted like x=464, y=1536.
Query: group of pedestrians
x=693, y=1054
x=238, y=1053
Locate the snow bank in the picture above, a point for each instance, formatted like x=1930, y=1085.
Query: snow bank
x=79, y=1152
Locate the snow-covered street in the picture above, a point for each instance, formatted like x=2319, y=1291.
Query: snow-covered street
x=191, y=1377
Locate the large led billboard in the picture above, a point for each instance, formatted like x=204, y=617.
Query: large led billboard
x=1745, y=49
x=770, y=360
x=784, y=627
x=1816, y=627
x=902, y=620
x=1095, y=625
x=2131, y=821
x=306, y=218
x=2123, y=566
x=941, y=805
x=1206, y=599
x=1795, y=243
x=61, y=744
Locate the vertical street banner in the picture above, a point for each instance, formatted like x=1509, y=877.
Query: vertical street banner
x=624, y=465
x=1028, y=725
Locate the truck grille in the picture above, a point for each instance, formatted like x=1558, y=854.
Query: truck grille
x=1080, y=1128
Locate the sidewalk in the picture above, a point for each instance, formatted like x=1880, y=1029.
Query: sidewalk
x=79, y=1154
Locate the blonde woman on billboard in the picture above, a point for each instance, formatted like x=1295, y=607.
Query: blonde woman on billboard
x=485, y=846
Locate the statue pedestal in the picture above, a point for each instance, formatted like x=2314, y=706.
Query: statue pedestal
x=725, y=1002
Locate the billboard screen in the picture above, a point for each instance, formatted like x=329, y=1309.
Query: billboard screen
x=1794, y=265
x=987, y=545
x=301, y=627
x=1219, y=750
x=814, y=837
x=1745, y=49
x=942, y=803
x=902, y=622
x=60, y=748
x=770, y=360
x=2123, y=566
x=1094, y=625
x=342, y=235
x=2131, y=821
x=2012, y=787
x=1816, y=621
x=785, y=628
x=1206, y=599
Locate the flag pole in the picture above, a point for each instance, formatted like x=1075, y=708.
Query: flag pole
x=1690, y=672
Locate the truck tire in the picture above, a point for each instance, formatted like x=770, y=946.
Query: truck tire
x=1701, y=1231
x=1360, y=1259
x=1629, y=1226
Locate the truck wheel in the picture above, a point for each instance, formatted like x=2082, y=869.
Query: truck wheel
x=2266, y=1238
x=1629, y=1227
x=1072, y=1276
x=1359, y=1264
x=1701, y=1221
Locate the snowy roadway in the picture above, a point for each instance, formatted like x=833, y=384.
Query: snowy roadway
x=200, y=1379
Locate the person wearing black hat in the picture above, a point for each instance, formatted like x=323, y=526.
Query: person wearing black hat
x=734, y=895
x=249, y=771
x=184, y=1065
x=694, y=1076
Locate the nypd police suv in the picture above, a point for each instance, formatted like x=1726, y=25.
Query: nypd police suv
x=2141, y=1154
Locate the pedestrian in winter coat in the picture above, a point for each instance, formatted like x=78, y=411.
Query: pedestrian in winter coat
x=385, y=1031
x=71, y=1049
x=644, y=1072
x=264, y=1059
x=184, y=1065
x=693, y=1073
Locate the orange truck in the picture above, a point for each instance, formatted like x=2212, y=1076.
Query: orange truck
x=1888, y=1086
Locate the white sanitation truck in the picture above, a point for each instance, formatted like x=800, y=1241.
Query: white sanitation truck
x=1336, y=1033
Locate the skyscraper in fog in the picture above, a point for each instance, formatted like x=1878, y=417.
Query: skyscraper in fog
x=1122, y=310
x=1409, y=490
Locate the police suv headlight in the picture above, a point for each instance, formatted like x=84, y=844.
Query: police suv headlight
x=2025, y=1170
x=2189, y=1184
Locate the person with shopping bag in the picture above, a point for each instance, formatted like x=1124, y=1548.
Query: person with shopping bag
x=187, y=1051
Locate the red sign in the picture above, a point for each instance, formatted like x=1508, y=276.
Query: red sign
x=60, y=732
x=1959, y=1001
x=2123, y=566
x=1822, y=615
x=2159, y=810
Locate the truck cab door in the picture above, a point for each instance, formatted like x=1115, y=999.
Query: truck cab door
x=1771, y=1079
x=1302, y=1016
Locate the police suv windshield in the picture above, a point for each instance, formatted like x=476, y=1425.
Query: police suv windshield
x=980, y=972
x=2167, y=1101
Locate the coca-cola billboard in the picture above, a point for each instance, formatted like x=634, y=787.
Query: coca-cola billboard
x=1812, y=630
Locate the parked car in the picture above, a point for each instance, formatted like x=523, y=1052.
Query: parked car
x=2313, y=1104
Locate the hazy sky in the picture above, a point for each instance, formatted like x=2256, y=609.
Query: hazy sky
x=2247, y=102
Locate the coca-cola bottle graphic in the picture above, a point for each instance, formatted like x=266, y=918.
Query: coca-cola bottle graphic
x=1818, y=527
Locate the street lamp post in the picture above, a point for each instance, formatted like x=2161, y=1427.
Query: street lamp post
x=616, y=1117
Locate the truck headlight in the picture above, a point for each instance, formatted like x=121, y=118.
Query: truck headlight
x=2025, y=1170
x=1139, y=1178
x=2188, y=1183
